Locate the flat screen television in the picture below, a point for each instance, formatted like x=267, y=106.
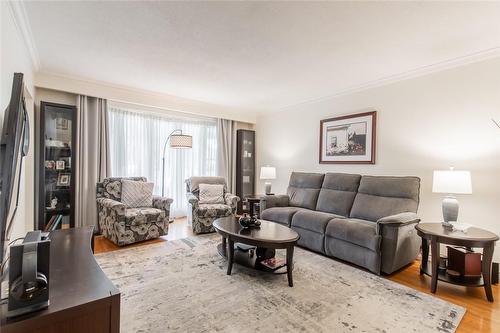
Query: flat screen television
x=14, y=143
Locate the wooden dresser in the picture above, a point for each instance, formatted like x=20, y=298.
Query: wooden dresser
x=82, y=298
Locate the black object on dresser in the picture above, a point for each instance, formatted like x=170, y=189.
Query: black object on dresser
x=29, y=274
x=245, y=166
x=82, y=298
x=56, y=194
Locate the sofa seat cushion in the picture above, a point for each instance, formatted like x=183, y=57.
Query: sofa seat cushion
x=136, y=216
x=356, y=231
x=312, y=220
x=214, y=210
x=282, y=215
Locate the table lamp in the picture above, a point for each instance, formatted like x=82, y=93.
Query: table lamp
x=451, y=182
x=268, y=173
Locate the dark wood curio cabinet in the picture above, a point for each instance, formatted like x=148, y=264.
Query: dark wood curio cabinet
x=55, y=172
x=245, y=167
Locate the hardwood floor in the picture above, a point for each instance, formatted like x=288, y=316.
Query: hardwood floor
x=176, y=230
x=481, y=315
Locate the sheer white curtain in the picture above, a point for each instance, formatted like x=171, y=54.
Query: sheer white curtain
x=136, y=143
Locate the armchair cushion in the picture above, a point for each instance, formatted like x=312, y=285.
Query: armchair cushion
x=214, y=210
x=136, y=216
x=193, y=183
x=211, y=194
x=111, y=188
x=137, y=194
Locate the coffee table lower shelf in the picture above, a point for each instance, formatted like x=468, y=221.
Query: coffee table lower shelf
x=244, y=259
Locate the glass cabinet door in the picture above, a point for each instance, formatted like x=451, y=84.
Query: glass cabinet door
x=56, y=181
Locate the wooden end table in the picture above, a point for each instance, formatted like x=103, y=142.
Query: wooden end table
x=270, y=235
x=253, y=202
x=436, y=234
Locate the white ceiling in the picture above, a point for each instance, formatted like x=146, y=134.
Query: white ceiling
x=255, y=55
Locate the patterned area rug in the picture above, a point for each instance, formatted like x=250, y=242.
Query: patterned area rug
x=182, y=286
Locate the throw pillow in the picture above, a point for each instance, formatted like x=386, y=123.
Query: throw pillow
x=211, y=194
x=137, y=194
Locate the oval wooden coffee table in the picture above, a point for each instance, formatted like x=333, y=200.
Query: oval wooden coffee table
x=270, y=235
x=436, y=234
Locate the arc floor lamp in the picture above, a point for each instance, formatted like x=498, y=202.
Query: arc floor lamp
x=177, y=141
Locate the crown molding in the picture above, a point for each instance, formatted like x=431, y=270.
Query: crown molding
x=418, y=72
x=21, y=20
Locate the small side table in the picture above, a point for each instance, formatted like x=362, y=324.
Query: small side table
x=253, y=202
x=436, y=234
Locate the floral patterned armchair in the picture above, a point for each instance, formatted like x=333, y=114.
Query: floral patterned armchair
x=201, y=216
x=123, y=225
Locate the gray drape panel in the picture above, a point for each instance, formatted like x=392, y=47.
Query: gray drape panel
x=92, y=157
x=226, y=152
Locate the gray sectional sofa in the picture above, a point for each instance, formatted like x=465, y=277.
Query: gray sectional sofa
x=366, y=220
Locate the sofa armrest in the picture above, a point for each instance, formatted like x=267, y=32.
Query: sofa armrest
x=117, y=206
x=231, y=200
x=400, y=243
x=192, y=199
x=400, y=219
x=162, y=203
x=268, y=201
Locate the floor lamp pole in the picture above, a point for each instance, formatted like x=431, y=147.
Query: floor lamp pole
x=163, y=161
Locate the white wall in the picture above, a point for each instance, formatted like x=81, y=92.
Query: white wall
x=426, y=123
x=140, y=97
x=15, y=57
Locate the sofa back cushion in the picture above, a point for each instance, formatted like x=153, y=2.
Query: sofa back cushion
x=193, y=183
x=380, y=196
x=303, y=189
x=337, y=193
x=111, y=188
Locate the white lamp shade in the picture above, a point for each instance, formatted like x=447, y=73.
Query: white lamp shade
x=181, y=141
x=267, y=172
x=451, y=182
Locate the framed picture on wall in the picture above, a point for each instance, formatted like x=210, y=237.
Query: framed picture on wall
x=348, y=139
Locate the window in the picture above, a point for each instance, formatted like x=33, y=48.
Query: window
x=136, y=144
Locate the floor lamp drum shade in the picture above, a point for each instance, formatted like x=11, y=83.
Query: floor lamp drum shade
x=268, y=173
x=180, y=141
x=451, y=182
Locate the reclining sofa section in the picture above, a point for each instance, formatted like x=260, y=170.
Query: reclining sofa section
x=366, y=220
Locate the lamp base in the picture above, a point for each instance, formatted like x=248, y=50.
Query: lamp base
x=268, y=188
x=450, y=210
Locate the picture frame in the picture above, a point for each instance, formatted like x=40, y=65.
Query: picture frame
x=60, y=165
x=62, y=123
x=349, y=139
x=50, y=164
x=64, y=179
